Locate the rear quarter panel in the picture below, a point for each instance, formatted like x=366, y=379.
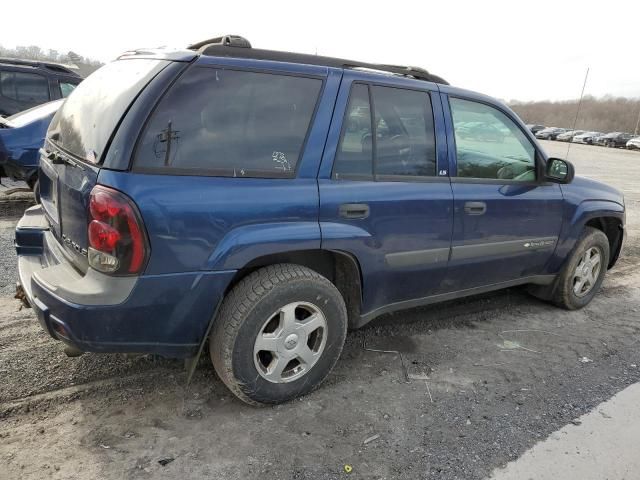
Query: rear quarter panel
x=210, y=223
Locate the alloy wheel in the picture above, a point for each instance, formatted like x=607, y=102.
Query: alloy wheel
x=587, y=272
x=290, y=342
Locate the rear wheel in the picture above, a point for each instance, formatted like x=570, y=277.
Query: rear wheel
x=584, y=272
x=279, y=333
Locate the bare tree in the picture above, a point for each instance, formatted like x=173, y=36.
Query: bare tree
x=33, y=52
x=605, y=114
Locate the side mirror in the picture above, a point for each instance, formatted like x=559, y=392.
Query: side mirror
x=559, y=171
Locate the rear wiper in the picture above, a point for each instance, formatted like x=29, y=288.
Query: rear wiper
x=56, y=158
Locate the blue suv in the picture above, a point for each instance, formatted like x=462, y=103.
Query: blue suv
x=266, y=202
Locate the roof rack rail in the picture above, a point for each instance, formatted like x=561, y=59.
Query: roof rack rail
x=225, y=40
x=37, y=63
x=220, y=47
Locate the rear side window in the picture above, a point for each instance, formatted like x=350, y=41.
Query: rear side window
x=398, y=140
x=66, y=88
x=29, y=88
x=230, y=123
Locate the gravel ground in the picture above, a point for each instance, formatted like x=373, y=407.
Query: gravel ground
x=476, y=383
x=11, y=208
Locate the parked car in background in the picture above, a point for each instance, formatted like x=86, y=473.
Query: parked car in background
x=220, y=194
x=615, y=139
x=27, y=83
x=21, y=137
x=598, y=139
x=568, y=135
x=586, y=137
x=550, y=133
x=634, y=143
x=535, y=128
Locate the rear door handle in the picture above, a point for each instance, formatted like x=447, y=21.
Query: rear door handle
x=475, y=208
x=354, y=210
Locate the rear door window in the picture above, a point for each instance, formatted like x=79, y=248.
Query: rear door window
x=398, y=144
x=230, y=123
x=405, y=138
x=354, y=157
x=27, y=88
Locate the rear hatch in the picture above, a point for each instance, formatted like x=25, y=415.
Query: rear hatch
x=76, y=143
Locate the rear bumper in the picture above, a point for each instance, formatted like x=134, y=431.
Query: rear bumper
x=162, y=314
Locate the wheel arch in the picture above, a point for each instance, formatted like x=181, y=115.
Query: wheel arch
x=604, y=215
x=612, y=227
x=340, y=268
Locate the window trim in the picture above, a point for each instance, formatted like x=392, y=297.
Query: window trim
x=538, y=157
x=385, y=177
x=217, y=172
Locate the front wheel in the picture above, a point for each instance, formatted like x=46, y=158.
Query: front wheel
x=584, y=272
x=279, y=333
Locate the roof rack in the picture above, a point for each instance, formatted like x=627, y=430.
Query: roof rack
x=239, y=47
x=38, y=63
x=225, y=40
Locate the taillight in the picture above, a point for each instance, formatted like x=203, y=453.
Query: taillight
x=117, y=239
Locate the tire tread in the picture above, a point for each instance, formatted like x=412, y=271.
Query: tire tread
x=238, y=304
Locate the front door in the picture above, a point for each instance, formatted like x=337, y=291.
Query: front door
x=383, y=196
x=507, y=217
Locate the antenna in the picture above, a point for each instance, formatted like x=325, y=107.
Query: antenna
x=575, y=121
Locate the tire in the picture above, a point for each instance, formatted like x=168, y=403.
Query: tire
x=564, y=294
x=255, y=310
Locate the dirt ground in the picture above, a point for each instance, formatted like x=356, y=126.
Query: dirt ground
x=476, y=383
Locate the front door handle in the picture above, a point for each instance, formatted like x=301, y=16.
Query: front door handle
x=354, y=210
x=475, y=208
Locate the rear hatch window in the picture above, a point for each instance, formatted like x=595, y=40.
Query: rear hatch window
x=77, y=138
x=90, y=115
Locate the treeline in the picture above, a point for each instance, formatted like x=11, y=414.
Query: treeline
x=606, y=114
x=85, y=65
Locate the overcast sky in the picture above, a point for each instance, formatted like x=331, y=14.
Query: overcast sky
x=527, y=50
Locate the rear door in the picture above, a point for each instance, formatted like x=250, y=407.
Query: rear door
x=507, y=217
x=385, y=195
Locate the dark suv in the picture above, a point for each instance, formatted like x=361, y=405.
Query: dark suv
x=268, y=201
x=26, y=83
x=615, y=139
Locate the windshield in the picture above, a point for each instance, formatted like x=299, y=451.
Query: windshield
x=85, y=122
x=35, y=113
